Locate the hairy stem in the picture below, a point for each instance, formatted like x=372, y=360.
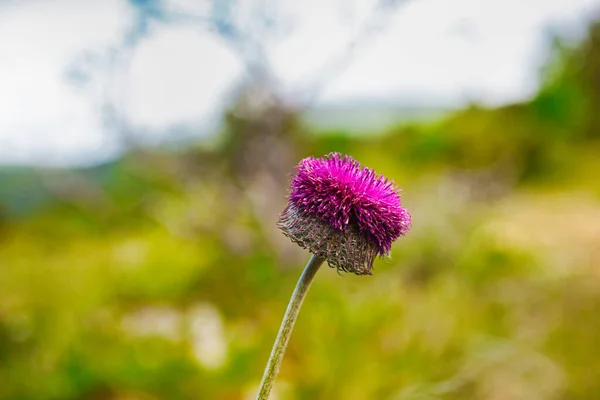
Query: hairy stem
x=287, y=325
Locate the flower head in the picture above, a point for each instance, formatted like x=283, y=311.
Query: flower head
x=343, y=213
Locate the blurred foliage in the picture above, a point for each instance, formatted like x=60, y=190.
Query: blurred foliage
x=162, y=276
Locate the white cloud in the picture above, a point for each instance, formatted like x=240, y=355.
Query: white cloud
x=41, y=117
x=178, y=76
x=458, y=50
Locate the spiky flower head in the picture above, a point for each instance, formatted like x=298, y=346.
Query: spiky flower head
x=343, y=213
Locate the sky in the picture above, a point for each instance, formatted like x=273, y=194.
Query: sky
x=427, y=52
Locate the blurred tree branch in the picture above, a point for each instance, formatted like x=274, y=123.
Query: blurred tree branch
x=248, y=27
x=376, y=22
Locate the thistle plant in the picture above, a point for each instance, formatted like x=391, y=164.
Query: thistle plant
x=345, y=215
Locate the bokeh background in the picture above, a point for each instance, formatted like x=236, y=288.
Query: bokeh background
x=145, y=149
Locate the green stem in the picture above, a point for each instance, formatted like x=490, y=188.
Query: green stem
x=287, y=325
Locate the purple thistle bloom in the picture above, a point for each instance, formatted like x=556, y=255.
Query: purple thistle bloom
x=343, y=213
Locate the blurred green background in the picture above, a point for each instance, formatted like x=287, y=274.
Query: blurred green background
x=161, y=275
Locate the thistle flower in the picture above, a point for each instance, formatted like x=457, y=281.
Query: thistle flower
x=343, y=213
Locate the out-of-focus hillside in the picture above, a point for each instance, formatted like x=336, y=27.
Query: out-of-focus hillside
x=162, y=276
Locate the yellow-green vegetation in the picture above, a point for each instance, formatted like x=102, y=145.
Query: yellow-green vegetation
x=161, y=276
